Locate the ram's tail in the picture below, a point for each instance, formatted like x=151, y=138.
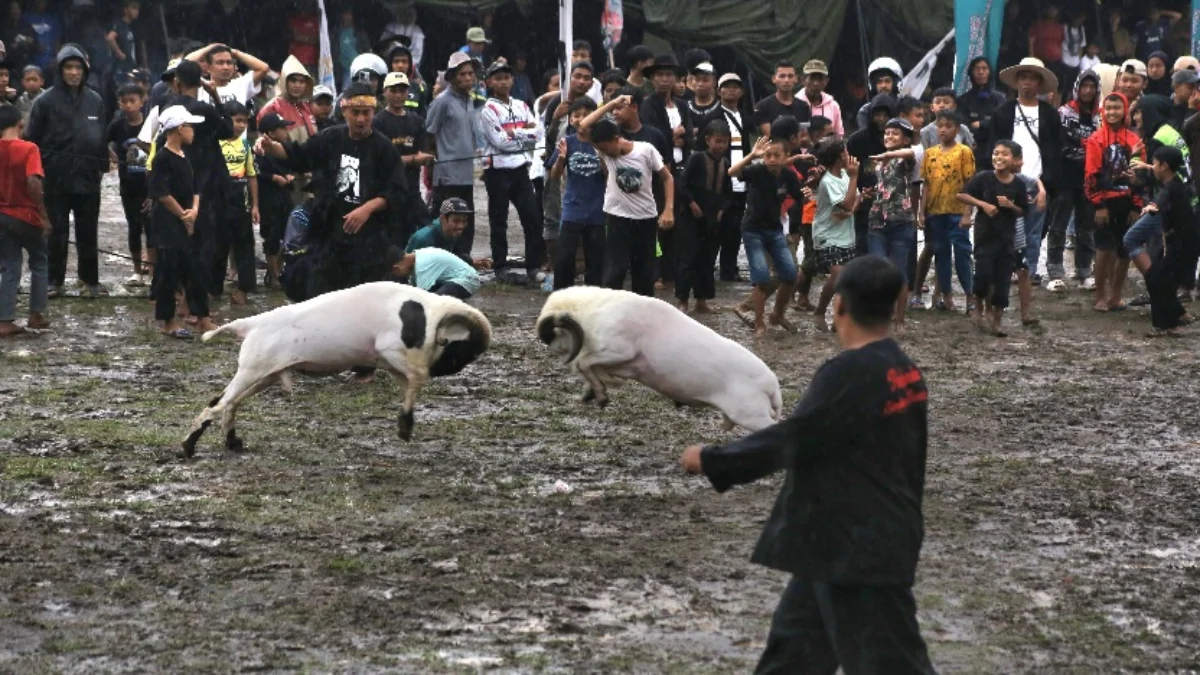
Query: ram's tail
x=238, y=328
x=547, y=325
x=777, y=404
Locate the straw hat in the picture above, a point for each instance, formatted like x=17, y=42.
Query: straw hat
x=1030, y=65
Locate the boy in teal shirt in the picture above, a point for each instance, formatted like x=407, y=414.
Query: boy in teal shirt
x=436, y=270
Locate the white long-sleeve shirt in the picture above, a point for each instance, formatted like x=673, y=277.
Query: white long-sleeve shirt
x=507, y=140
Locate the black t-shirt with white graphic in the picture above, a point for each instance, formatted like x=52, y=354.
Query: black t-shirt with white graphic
x=407, y=133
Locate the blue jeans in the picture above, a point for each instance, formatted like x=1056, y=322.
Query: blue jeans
x=1034, y=220
x=950, y=241
x=17, y=236
x=1145, y=236
x=763, y=244
x=893, y=241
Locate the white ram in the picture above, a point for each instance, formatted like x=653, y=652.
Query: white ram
x=606, y=334
x=408, y=332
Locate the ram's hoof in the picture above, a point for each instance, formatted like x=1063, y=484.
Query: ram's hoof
x=589, y=395
x=406, y=426
x=233, y=442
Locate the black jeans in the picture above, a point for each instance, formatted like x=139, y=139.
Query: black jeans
x=462, y=247
x=1162, y=281
x=730, y=235
x=1066, y=202
x=138, y=223
x=864, y=629
x=175, y=267
x=339, y=266
x=86, y=208
x=234, y=232
x=696, y=242
x=453, y=290
x=629, y=249
x=569, y=238
x=506, y=186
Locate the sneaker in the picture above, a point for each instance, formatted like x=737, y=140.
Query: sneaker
x=1036, y=280
x=1140, y=301
x=1057, y=286
x=136, y=280
x=916, y=303
x=548, y=283
x=1070, y=246
x=1089, y=284
x=95, y=291
x=54, y=291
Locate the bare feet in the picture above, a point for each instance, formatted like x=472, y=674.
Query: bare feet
x=658, y=285
x=238, y=297
x=682, y=306
x=783, y=323
x=819, y=322
x=205, y=324
x=702, y=307
x=898, y=329
x=10, y=328
x=37, y=321
x=760, y=330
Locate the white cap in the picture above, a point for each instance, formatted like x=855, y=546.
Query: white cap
x=177, y=116
x=395, y=80
x=321, y=90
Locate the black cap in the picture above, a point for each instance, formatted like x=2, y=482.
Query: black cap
x=455, y=205
x=273, y=121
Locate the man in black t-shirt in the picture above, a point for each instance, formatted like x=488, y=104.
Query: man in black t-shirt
x=405, y=128
x=847, y=524
x=782, y=102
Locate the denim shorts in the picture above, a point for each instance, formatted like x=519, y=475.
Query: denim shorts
x=893, y=241
x=772, y=244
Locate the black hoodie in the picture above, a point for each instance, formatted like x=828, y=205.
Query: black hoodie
x=977, y=106
x=68, y=126
x=868, y=140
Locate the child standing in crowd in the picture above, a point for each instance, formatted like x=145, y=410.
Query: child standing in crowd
x=406, y=130
x=629, y=207
x=1107, y=184
x=1001, y=198
x=23, y=223
x=131, y=170
x=582, y=203
x=833, y=223
x=275, y=197
x=242, y=209
x=767, y=183
x=704, y=190
x=1176, y=206
x=891, y=222
x=322, y=107
x=173, y=219
x=947, y=167
x=32, y=82
x=944, y=99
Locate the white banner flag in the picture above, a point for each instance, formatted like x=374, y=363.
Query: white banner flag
x=325, y=69
x=917, y=80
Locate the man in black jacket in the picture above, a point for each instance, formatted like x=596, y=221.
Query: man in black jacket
x=847, y=524
x=729, y=91
x=67, y=123
x=668, y=114
x=1037, y=127
x=862, y=145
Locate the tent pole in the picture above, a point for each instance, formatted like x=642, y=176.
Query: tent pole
x=862, y=43
x=162, y=18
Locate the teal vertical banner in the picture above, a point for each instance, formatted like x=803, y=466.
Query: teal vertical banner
x=977, y=27
x=1195, y=27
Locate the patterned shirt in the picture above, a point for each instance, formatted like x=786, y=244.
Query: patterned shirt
x=893, y=200
x=946, y=172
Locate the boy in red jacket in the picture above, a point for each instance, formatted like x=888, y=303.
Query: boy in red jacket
x=1107, y=184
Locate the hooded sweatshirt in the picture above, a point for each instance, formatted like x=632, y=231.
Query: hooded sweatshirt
x=1162, y=85
x=1079, y=123
x=299, y=113
x=69, y=128
x=864, y=112
x=1157, y=131
x=977, y=105
x=1107, y=155
x=868, y=140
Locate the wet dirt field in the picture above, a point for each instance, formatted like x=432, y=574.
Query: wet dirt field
x=1062, y=506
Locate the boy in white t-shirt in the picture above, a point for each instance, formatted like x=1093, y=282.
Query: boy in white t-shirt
x=833, y=223
x=630, y=211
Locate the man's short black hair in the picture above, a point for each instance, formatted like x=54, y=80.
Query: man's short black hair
x=869, y=286
x=582, y=103
x=1169, y=155
x=218, y=49
x=130, y=90
x=819, y=123
x=581, y=45
x=907, y=104
x=235, y=108
x=188, y=74
x=585, y=65
x=945, y=92
x=10, y=117
x=635, y=94
x=357, y=89
x=639, y=54
x=717, y=128
x=784, y=63
x=1013, y=147
x=611, y=76
x=605, y=130
x=784, y=127
x=829, y=151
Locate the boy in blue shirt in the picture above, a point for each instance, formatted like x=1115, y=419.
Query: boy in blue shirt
x=582, y=203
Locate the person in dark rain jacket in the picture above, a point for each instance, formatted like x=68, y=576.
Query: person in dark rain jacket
x=67, y=123
x=977, y=106
x=847, y=524
x=862, y=145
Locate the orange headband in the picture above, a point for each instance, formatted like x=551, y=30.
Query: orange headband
x=360, y=102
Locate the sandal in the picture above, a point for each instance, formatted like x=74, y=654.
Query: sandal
x=745, y=319
x=1164, y=332
x=180, y=334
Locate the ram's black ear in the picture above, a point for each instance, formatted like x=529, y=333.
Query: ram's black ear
x=412, y=324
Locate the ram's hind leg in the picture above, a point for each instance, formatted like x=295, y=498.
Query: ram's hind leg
x=229, y=415
x=244, y=380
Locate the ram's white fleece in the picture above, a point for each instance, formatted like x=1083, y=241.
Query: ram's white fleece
x=634, y=337
x=409, y=332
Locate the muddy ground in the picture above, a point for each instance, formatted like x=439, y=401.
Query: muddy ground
x=1061, y=508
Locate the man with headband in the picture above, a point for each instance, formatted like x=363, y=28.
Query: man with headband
x=362, y=191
